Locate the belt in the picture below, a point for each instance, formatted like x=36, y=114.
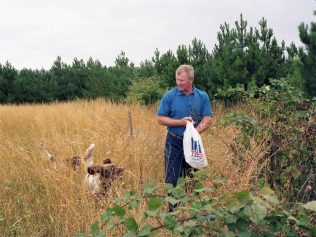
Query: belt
x=176, y=136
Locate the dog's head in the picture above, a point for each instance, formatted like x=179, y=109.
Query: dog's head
x=74, y=163
x=108, y=171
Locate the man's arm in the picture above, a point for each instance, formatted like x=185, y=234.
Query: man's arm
x=166, y=121
x=204, y=124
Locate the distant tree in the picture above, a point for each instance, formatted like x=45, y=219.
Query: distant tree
x=26, y=88
x=183, y=54
x=77, y=75
x=95, y=83
x=146, y=69
x=199, y=58
x=230, y=55
x=243, y=56
x=271, y=54
x=308, y=56
x=64, y=87
x=119, y=78
x=8, y=74
x=165, y=66
x=121, y=60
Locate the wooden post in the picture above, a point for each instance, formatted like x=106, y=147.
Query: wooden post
x=130, y=125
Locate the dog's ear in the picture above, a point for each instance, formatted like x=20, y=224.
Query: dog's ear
x=92, y=170
x=107, y=161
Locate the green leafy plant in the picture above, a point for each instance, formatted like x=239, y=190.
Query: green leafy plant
x=199, y=213
x=146, y=90
x=280, y=114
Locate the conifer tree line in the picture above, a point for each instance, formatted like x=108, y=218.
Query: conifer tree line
x=243, y=55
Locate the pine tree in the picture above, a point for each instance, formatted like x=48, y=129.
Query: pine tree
x=308, y=56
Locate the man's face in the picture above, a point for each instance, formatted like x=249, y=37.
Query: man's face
x=183, y=82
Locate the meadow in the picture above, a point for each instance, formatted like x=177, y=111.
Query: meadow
x=37, y=199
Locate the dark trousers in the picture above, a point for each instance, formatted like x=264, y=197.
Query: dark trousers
x=175, y=165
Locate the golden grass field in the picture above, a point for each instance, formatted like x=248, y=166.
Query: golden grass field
x=38, y=200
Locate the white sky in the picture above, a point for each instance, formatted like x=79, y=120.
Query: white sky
x=34, y=32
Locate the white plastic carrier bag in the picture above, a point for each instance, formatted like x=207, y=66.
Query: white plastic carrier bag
x=193, y=149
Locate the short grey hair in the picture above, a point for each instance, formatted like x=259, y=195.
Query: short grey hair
x=188, y=69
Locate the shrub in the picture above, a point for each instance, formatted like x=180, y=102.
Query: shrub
x=146, y=90
x=198, y=213
x=280, y=115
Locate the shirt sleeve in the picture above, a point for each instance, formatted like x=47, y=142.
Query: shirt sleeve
x=164, y=107
x=207, y=109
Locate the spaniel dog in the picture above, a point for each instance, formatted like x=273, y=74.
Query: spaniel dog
x=99, y=178
x=73, y=162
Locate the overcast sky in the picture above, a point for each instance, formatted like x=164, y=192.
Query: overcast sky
x=34, y=32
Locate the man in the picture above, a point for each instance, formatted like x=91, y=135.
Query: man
x=181, y=104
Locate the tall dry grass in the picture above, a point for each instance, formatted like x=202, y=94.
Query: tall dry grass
x=38, y=200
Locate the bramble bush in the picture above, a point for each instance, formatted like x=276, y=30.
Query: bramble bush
x=199, y=213
x=281, y=115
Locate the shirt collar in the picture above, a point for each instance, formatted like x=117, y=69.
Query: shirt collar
x=182, y=93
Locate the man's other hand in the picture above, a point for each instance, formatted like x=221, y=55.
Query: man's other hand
x=185, y=119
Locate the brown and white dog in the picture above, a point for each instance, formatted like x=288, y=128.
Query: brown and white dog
x=100, y=178
x=73, y=162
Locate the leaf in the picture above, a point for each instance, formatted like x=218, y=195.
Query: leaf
x=150, y=188
x=269, y=195
x=312, y=231
x=154, y=203
x=243, y=196
x=118, y=200
x=130, y=234
x=198, y=185
x=101, y=234
x=179, y=229
x=150, y=213
x=134, y=203
x=208, y=208
x=169, y=188
x=131, y=224
x=94, y=228
x=310, y=206
x=170, y=222
x=145, y=230
x=240, y=228
x=196, y=204
x=198, y=188
x=230, y=219
x=178, y=193
x=304, y=221
x=180, y=181
x=119, y=211
x=237, y=201
x=171, y=200
x=105, y=216
x=258, y=211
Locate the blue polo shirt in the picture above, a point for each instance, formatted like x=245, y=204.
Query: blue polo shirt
x=177, y=105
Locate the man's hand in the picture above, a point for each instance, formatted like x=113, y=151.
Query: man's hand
x=205, y=124
x=185, y=119
x=166, y=121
